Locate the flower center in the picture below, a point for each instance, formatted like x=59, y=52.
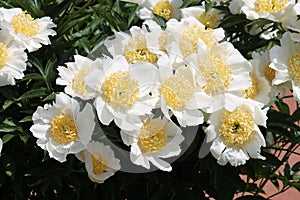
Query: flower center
x=209, y=20
x=177, y=91
x=152, y=137
x=164, y=9
x=3, y=54
x=294, y=68
x=136, y=50
x=270, y=6
x=269, y=73
x=63, y=129
x=218, y=77
x=189, y=39
x=78, y=84
x=25, y=24
x=99, y=163
x=253, y=90
x=237, y=128
x=120, y=90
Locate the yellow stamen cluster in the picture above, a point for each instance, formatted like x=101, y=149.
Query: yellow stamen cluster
x=270, y=6
x=218, y=77
x=269, y=73
x=3, y=54
x=99, y=163
x=164, y=9
x=210, y=20
x=78, y=84
x=63, y=129
x=137, y=50
x=120, y=90
x=189, y=39
x=253, y=90
x=237, y=128
x=25, y=24
x=152, y=137
x=177, y=91
x=294, y=68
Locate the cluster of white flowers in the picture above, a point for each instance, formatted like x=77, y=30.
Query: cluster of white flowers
x=157, y=80
x=19, y=34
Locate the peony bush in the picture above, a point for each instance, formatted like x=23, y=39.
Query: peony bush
x=148, y=99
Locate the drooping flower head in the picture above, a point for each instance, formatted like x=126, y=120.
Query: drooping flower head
x=100, y=161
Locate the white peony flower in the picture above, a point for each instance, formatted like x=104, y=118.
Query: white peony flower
x=62, y=128
x=155, y=139
x=74, y=74
x=211, y=18
x=137, y=46
x=184, y=36
x=123, y=91
x=32, y=32
x=12, y=59
x=285, y=60
x=179, y=94
x=255, y=9
x=100, y=161
x=220, y=69
x=290, y=21
x=164, y=8
x=262, y=89
x=234, y=131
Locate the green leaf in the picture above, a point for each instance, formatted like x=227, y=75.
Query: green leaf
x=41, y=92
x=296, y=167
x=37, y=64
x=50, y=97
x=283, y=107
x=287, y=171
x=32, y=76
x=7, y=137
x=6, y=104
x=26, y=119
x=7, y=128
